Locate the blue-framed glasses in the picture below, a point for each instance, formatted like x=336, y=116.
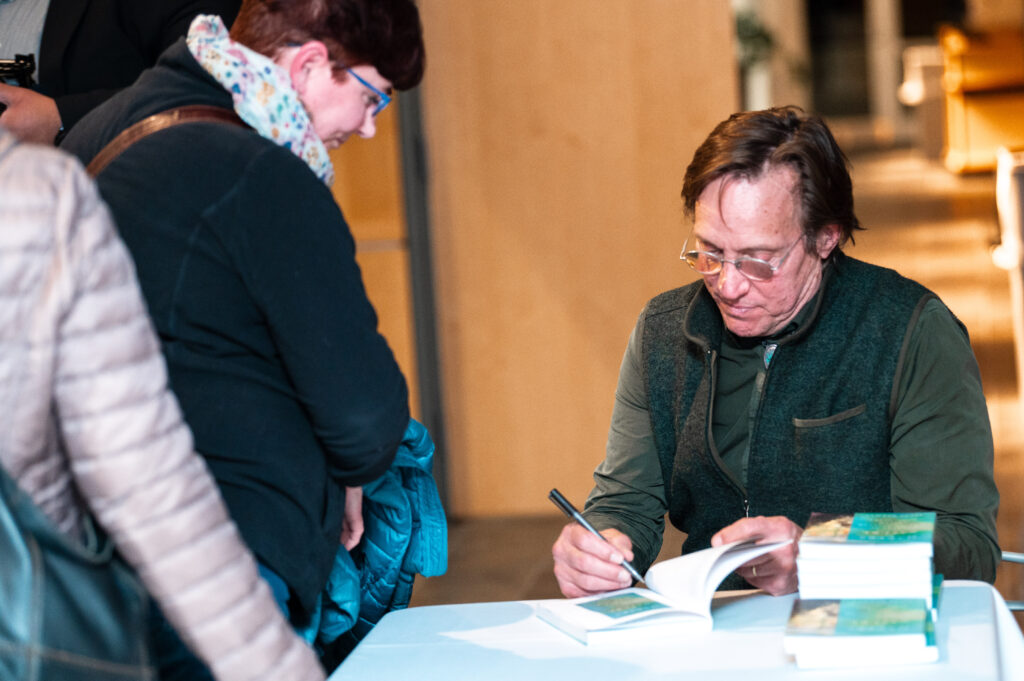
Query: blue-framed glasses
x=379, y=100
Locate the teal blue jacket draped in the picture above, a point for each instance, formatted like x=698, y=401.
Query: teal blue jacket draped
x=405, y=533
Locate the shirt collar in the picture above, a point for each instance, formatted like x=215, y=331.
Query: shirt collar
x=796, y=329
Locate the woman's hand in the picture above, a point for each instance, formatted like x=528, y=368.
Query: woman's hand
x=352, y=525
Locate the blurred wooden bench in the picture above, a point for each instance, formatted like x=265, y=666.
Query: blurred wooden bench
x=983, y=80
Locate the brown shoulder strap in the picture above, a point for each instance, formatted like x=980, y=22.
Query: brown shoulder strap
x=151, y=124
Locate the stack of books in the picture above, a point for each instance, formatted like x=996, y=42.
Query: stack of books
x=860, y=632
x=868, y=594
x=867, y=555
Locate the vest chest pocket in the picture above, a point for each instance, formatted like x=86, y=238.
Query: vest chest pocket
x=821, y=445
x=845, y=451
x=838, y=463
x=829, y=420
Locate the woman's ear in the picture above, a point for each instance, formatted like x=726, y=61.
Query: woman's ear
x=303, y=61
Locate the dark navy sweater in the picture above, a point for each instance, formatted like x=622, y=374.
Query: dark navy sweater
x=249, y=272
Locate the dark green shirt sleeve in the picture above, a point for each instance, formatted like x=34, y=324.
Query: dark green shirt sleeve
x=941, y=446
x=629, y=494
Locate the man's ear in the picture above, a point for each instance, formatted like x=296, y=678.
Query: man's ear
x=308, y=57
x=828, y=238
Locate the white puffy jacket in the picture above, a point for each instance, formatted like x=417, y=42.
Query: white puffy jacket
x=85, y=414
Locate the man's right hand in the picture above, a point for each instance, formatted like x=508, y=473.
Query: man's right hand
x=585, y=565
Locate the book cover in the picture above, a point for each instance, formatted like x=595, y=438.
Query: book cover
x=936, y=599
x=678, y=595
x=868, y=536
x=860, y=632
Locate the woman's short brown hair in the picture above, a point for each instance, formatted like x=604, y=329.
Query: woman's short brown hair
x=385, y=34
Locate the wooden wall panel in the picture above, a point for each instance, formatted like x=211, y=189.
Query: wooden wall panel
x=386, y=275
x=367, y=182
x=558, y=133
x=367, y=186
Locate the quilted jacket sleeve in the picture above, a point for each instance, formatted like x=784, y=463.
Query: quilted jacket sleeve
x=132, y=459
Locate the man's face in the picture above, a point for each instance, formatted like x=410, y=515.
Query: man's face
x=734, y=217
x=340, y=107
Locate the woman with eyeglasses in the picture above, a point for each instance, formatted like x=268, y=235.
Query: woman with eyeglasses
x=248, y=267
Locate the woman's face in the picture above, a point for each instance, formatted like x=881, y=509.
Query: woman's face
x=342, y=106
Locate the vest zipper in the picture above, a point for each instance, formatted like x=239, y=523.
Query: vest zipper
x=760, y=381
x=711, y=357
x=768, y=354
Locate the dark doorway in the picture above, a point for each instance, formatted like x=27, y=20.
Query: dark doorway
x=839, y=68
x=838, y=46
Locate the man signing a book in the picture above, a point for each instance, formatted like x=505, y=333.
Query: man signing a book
x=792, y=379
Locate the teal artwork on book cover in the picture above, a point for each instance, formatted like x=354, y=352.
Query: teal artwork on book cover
x=622, y=605
x=859, y=617
x=813, y=617
x=870, y=617
x=823, y=633
x=892, y=527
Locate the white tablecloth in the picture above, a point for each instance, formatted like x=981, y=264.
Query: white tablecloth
x=977, y=636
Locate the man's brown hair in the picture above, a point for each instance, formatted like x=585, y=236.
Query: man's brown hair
x=747, y=144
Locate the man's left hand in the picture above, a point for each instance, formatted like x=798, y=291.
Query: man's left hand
x=773, y=572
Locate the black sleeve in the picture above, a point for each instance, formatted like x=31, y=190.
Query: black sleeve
x=157, y=29
x=111, y=43
x=300, y=259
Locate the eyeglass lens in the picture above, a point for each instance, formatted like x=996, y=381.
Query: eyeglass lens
x=707, y=263
x=375, y=98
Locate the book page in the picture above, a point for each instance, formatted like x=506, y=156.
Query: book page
x=690, y=581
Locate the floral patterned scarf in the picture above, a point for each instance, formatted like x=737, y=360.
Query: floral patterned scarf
x=262, y=92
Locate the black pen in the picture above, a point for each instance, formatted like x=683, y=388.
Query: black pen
x=570, y=510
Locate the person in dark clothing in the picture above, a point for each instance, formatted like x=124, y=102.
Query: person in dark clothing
x=85, y=51
x=248, y=267
x=790, y=379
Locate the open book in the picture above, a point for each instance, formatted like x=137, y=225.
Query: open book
x=678, y=596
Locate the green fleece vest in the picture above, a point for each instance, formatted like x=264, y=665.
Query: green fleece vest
x=820, y=438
